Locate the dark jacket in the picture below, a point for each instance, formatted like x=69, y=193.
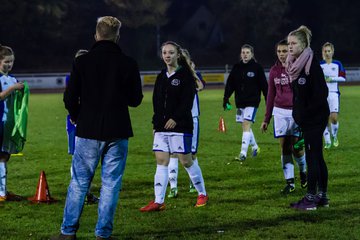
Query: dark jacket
x=310, y=109
x=103, y=83
x=173, y=98
x=248, y=81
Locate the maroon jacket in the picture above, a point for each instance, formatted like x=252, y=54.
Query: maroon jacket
x=279, y=92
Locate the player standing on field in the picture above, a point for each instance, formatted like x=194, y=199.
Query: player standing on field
x=310, y=112
x=195, y=112
x=334, y=72
x=247, y=79
x=173, y=97
x=279, y=104
x=8, y=85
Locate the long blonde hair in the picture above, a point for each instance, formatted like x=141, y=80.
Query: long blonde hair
x=303, y=34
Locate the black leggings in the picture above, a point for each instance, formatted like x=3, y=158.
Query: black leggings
x=317, y=172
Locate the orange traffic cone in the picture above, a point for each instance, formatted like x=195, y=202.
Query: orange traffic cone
x=42, y=194
x=222, y=127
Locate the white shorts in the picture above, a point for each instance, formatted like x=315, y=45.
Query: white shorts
x=284, y=124
x=333, y=101
x=172, y=142
x=195, y=136
x=247, y=113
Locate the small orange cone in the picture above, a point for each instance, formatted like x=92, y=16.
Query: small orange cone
x=222, y=127
x=42, y=194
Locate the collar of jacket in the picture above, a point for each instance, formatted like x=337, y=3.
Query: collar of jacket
x=249, y=62
x=106, y=44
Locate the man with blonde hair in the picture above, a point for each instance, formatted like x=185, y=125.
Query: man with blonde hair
x=103, y=84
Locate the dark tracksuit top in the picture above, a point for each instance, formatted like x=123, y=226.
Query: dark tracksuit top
x=247, y=80
x=173, y=98
x=310, y=106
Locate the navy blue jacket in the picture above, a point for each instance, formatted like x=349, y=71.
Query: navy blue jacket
x=173, y=98
x=248, y=81
x=310, y=109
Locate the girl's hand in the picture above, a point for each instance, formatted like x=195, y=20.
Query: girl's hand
x=170, y=124
x=264, y=127
x=18, y=86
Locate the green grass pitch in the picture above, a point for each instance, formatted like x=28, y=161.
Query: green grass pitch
x=245, y=200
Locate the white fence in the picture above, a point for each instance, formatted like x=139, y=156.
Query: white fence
x=57, y=80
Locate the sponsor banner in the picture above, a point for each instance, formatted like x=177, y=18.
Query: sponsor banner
x=57, y=80
x=42, y=81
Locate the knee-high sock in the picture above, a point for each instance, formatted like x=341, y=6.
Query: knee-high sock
x=3, y=179
x=173, y=169
x=160, y=183
x=327, y=136
x=301, y=161
x=288, y=167
x=245, y=143
x=252, y=141
x=334, y=129
x=196, y=177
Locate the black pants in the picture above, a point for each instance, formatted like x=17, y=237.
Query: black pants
x=317, y=172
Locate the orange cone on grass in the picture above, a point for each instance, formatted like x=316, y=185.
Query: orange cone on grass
x=42, y=194
x=222, y=127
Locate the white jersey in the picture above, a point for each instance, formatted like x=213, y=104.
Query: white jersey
x=6, y=82
x=195, y=111
x=336, y=72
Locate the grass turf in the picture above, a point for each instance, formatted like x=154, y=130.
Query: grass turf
x=245, y=200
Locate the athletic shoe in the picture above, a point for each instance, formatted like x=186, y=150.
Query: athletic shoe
x=192, y=188
x=63, y=237
x=288, y=189
x=202, y=200
x=153, y=207
x=327, y=146
x=303, y=179
x=173, y=193
x=321, y=201
x=304, y=204
x=2, y=198
x=255, y=152
x=91, y=199
x=335, y=142
x=240, y=158
x=13, y=197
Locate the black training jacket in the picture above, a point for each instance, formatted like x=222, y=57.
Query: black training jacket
x=173, y=98
x=247, y=80
x=310, y=109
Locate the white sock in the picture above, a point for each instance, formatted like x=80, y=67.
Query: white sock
x=2, y=179
x=334, y=129
x=196, y=177
x=160, y=183
x=173, y=169
x=252, y=141
x=245, y=143
x=301, y=161
x=288, y=166
x=327, y=136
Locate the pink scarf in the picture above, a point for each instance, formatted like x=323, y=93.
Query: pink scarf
x=295, y=66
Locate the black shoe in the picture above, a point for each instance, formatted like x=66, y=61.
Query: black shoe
x=321, y=201
x=303, y=179
x=13, y=197
x=288, y=189
x=91, y=199
x=63, y=237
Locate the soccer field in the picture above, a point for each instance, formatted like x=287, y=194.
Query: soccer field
x=245, y=200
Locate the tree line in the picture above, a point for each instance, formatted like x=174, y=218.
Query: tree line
x=45, y=34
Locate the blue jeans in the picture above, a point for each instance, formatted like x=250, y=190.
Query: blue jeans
x=88, y=153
